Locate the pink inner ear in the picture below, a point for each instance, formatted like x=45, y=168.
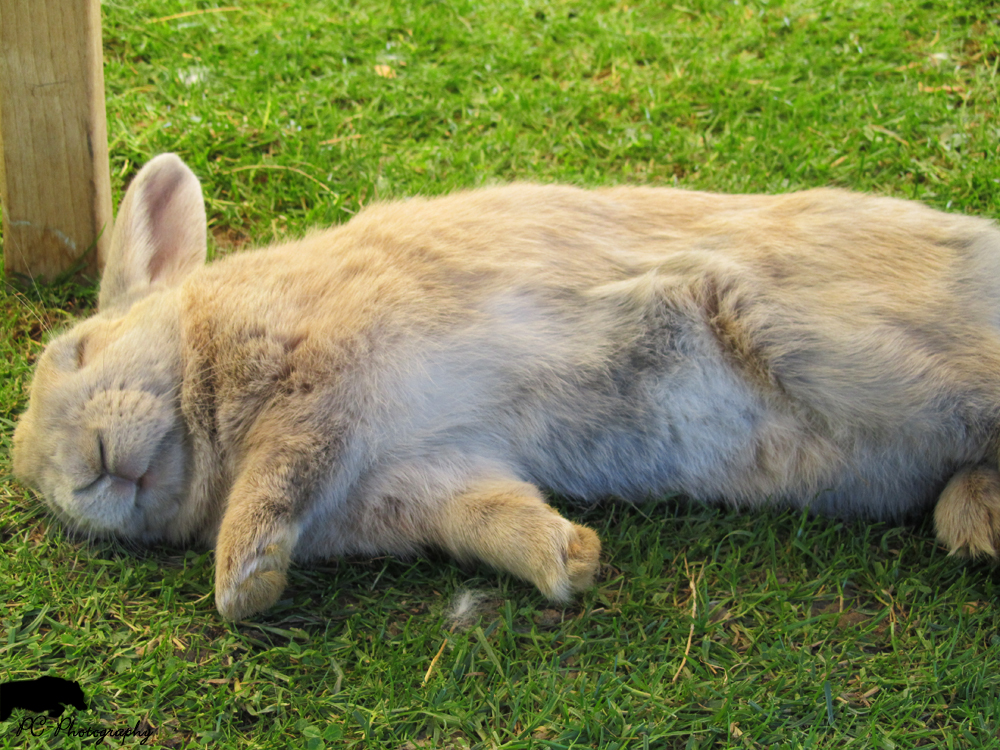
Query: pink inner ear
x=159, y=194
x=159, y=235
x=175, y=213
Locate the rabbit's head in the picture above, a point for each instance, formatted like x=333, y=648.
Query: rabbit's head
x=103, y=439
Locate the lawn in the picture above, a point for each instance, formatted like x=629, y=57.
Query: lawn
x=708, y=628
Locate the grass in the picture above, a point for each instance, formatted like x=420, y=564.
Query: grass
x=708, y=629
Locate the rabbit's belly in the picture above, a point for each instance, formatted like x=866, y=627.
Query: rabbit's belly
x=692, y=431
x=703, y=433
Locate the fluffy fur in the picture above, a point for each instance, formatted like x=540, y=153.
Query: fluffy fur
x=413, y=377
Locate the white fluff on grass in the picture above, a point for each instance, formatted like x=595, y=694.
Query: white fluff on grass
x=467, y=607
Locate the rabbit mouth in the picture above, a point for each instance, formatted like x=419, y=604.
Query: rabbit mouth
x=119, y=507
x=106, y=505
x=118, y=481
x=126, y=503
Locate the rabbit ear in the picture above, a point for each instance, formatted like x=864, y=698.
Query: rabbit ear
x=159, y=236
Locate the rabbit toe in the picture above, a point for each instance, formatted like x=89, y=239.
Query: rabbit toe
x=566, y=563
x=582, y=558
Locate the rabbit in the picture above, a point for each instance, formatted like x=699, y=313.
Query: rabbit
x=416, y=377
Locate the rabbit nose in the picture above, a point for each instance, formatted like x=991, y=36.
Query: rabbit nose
x=124, y=430
x=118, y=461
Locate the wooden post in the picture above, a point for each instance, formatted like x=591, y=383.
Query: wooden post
x=55, y=185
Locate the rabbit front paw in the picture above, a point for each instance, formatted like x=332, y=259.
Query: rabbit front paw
x=508, y=525
x=250, y=577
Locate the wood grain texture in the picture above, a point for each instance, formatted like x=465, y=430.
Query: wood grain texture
x=55, y=187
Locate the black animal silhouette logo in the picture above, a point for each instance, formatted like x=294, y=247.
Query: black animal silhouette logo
x=45, y=694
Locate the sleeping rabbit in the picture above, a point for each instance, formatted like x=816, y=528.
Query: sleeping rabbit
x=415, y=377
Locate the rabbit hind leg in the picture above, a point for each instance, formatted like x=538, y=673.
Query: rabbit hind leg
x=508, y=525
x=967, y=515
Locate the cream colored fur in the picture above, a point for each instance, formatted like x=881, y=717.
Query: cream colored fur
x=412, y=378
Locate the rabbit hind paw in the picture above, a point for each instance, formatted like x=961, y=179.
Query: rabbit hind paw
x=967, y=515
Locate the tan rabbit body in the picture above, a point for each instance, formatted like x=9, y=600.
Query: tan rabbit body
x=412, y=378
